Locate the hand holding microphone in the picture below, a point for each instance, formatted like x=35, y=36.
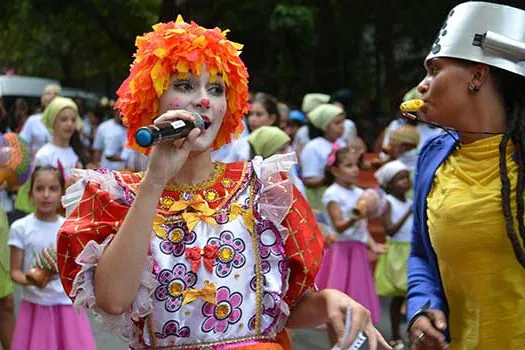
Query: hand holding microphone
x=173, y=136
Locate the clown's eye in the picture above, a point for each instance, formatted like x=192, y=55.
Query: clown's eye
x=182, y=85
x=216, y=89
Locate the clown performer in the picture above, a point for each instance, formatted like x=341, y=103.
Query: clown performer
x=194, y=253
x=466, y=270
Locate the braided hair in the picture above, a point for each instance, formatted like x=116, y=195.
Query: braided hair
x=512, y=89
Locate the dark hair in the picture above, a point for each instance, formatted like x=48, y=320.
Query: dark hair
x=512, y=89
x=313, y=131
x=329, y=177
x=79, y=148
x=271, y=105
x=40, y=168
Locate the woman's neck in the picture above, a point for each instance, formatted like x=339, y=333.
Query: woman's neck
x=198, y=168
x=60, y=142
x=486, y=116
x=47, y=217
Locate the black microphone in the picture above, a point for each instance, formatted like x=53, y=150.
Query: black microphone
x=177, y=129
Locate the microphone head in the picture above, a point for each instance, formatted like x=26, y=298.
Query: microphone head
x=199, y=121
x=144, y=137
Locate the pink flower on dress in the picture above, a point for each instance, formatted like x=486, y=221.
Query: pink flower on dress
x=172, y=328
x=177, y=239
x=227, y=311
x=270, y=239
x=172, y=285
x=230, y=254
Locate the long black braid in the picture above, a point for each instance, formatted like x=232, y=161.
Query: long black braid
x=512, y=89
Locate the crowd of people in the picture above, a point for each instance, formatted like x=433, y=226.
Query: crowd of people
x=263, y=221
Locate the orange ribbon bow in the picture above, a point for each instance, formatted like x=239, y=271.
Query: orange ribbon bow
x=201, y=211
x=207, y=294
x=208, y=253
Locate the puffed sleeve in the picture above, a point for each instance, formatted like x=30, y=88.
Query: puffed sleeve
x=304, y=247
x=96, y=206
x=282, y=203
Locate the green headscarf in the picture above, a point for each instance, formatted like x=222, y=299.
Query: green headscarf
x=51, y=112
x=323, y=115
x=266, y=140
x=310, y=101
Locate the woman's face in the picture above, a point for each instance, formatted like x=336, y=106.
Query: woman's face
x=445, y=91
x=335, y=129
x=49, y=94
x=259, y=116
x=198, y=94
x=65, y=123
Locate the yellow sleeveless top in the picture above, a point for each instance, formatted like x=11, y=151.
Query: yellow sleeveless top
x=483, y=282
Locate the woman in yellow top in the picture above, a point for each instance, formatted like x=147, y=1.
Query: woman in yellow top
x=467, y=266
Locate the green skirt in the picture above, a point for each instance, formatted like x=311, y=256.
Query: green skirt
x=391, y=271
x=315, y=197
x=6, y=285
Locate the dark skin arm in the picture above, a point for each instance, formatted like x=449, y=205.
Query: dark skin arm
x=391, y=228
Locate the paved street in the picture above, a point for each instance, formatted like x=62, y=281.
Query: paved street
x=308, y=339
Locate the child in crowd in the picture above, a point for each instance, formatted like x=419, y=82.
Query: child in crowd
x=403, y=145
x=325, y=129
x=65, y=150
x=7, y=316
x=391, y=272
x=264, y=112
x=46, y=318
x=269, y=140
x=345, y=265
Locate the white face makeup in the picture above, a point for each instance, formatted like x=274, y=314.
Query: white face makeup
x=198, y=94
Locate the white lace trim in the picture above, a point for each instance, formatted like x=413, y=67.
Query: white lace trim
x=276, y=194
x=107, y=182
x=84, y=292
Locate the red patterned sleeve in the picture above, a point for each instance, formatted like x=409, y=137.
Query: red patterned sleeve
x=304, y=248
x=95, y=218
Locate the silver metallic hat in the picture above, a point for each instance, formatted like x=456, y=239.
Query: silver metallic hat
x=486, y=33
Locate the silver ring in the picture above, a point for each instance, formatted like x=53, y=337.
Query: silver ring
x=421, y=336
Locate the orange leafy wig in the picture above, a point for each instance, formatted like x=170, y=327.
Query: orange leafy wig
x=180, y=47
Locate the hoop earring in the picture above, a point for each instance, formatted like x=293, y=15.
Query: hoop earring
x=473, y=87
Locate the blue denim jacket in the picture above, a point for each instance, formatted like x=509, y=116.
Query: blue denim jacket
x=424, y=280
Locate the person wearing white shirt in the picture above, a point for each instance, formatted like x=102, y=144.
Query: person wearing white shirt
x=34, y=132
x=110, y=139
x=60, y=118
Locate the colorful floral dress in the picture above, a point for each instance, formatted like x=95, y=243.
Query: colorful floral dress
x=227, y=261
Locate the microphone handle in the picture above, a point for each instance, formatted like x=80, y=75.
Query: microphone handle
x=172, y=131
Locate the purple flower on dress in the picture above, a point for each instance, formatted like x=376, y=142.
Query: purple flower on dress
x=265, y=268
x=227, y=311
x=172, y=285
x=171, y=328
x=177, y=239
x=229, y=254
x=269, y=238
